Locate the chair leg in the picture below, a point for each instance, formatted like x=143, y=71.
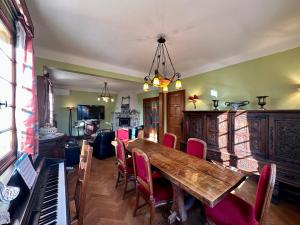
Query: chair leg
x=126, y=183
x=152, y=212
x=136, y=203
x=118, y=178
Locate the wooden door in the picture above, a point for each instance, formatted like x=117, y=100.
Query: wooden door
x=151, y=118
x=175, y=108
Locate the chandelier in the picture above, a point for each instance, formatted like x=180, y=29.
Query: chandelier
x=105, y=95
x=161, y=65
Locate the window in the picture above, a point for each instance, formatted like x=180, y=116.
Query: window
x=7, y=98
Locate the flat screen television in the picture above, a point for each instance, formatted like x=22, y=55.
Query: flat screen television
x=87, y=112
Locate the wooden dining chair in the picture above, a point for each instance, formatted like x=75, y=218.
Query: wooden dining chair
x=82, y=184
x=196, y=147
x=156, y=192
x=169, y=140
x=125, y=166
x=233, y=210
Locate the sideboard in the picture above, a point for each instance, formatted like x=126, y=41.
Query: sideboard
x=249, y=139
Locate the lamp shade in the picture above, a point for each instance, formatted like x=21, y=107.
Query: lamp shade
x=191, y=98
x=178, y=84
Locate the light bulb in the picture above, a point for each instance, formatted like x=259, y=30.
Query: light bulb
x=178, y=84
x=165, y=89
x=98, y=99
x=112, y=100
x=156, y=81
x=146, y=87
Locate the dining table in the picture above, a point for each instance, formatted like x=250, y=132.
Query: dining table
x=206, y=181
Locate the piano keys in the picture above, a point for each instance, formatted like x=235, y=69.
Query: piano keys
x=47, y=201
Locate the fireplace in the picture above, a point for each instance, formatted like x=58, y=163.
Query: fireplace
x=124, y=122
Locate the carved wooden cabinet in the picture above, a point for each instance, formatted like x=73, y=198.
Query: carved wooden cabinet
x=249, y=139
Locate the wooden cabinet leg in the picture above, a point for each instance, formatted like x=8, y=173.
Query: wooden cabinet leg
x=276, y=193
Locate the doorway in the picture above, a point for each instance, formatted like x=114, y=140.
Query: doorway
x=151, y=118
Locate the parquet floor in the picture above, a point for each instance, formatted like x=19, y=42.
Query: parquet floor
x=104, y=204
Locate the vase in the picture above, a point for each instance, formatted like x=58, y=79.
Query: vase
x=262, y=101
x=215, y=104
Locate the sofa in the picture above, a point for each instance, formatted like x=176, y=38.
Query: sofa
x=102, y=147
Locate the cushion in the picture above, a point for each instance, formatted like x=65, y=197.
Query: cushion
x=231, y=211
x=168, y=140
x=261, y=190
x=141, y=168
x=195, y=148
x=122, y=134
x=162, y=190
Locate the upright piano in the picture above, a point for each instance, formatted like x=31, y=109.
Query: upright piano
x=46, y=203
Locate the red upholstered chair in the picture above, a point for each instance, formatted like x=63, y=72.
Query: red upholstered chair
x=122, y=134
x=125, y=166
x=234, y=210
x=169, y=140
x=155, y=192
x=196, y=147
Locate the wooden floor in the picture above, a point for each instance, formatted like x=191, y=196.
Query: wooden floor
x=104, y=204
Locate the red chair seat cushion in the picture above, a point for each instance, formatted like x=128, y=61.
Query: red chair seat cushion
x=130, y=169
x=231, y=211
x=162, y=190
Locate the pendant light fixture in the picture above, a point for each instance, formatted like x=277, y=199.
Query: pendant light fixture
x=105, y=95
x=162, y=63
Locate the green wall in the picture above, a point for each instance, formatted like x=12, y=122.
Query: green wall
x=41, y=62
x=76, y=98
x=277, y=76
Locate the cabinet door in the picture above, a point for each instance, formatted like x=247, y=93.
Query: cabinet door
x=250, y=135
x=217, y=131
x=285, y=138
x=194, y=126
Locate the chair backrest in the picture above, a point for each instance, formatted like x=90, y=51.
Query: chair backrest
x=169, y=140
x=142, y=170
x=82, y=182
x=122, y=134
x=264, y=192
x=84, y=147
x=196, y=147
x=120, y=154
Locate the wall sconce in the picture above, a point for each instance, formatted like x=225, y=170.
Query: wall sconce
x=193, y=99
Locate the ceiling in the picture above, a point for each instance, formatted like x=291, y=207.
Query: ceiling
x=84, y=82
x=120, y=36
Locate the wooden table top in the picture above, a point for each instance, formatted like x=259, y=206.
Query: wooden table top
x=208, y=182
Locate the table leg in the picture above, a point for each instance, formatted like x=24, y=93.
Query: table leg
x=178, y=202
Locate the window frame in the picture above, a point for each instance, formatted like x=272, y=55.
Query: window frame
x=12, y=155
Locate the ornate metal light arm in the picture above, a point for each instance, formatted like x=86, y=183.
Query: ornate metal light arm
x=160, y=58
